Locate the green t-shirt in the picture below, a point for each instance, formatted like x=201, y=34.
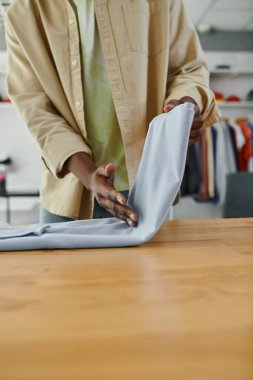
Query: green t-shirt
x=102, y=125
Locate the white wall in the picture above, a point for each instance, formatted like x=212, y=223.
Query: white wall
x=16, y=142
x=25, y=171
x=3, y=69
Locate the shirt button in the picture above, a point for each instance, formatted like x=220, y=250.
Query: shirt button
x=74, y=62
x=78, y=104
x=71, y=21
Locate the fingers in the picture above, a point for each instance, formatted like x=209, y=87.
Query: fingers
x=107, y=171
x=198, y=122
x=171, y=104
x=109, y=198
x=197, y=126
x=194, y=134
x=110, y=170
x=121, y=212
x=193, y=140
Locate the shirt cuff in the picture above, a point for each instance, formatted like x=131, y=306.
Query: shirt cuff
x=59, y=151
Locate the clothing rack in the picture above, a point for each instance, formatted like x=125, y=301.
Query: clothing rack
x=224, y=148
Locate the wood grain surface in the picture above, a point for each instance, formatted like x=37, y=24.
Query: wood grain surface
x=179, y=307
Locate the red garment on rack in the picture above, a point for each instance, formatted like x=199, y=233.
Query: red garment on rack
x=245, y=152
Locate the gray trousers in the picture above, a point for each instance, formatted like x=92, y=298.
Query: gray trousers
x=98, y=213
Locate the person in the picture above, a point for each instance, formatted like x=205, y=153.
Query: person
x=87, y=77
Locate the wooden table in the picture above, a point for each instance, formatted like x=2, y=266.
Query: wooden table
x=179, y=307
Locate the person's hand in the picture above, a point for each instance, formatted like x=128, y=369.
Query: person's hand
x=198, y=122
x=100, y=180
x=101, y=184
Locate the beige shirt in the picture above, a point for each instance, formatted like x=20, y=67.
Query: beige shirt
x=152, y=55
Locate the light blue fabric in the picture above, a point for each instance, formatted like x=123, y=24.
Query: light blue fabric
x=157, y=184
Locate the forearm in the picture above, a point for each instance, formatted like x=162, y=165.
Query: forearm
x=82, y=166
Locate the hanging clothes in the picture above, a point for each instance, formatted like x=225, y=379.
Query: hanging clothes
x=210, y=163
x=234, y=143
x=203, y=188
x=244, y=153
x=250, y=167
x=225, y=148
x=191, y=179
x=214, y=140
x=226, y=162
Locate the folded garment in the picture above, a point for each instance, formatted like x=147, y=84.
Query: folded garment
x=156, y=186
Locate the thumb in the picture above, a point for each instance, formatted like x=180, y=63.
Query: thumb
x=170, y=105
x=109, y=171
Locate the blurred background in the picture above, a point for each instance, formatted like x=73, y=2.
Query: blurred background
x=218, y=177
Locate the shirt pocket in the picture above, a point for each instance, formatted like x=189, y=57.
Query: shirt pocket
x=146, y=25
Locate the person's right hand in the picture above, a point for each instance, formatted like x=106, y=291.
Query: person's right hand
x=101, y=184
x=100, y=180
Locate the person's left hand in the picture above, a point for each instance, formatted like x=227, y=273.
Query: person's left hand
x=198, y=122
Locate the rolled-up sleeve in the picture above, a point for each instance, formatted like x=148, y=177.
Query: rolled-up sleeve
x=188, y=74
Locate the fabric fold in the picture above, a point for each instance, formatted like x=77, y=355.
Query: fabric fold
x=7, y=232
x=157, y=183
